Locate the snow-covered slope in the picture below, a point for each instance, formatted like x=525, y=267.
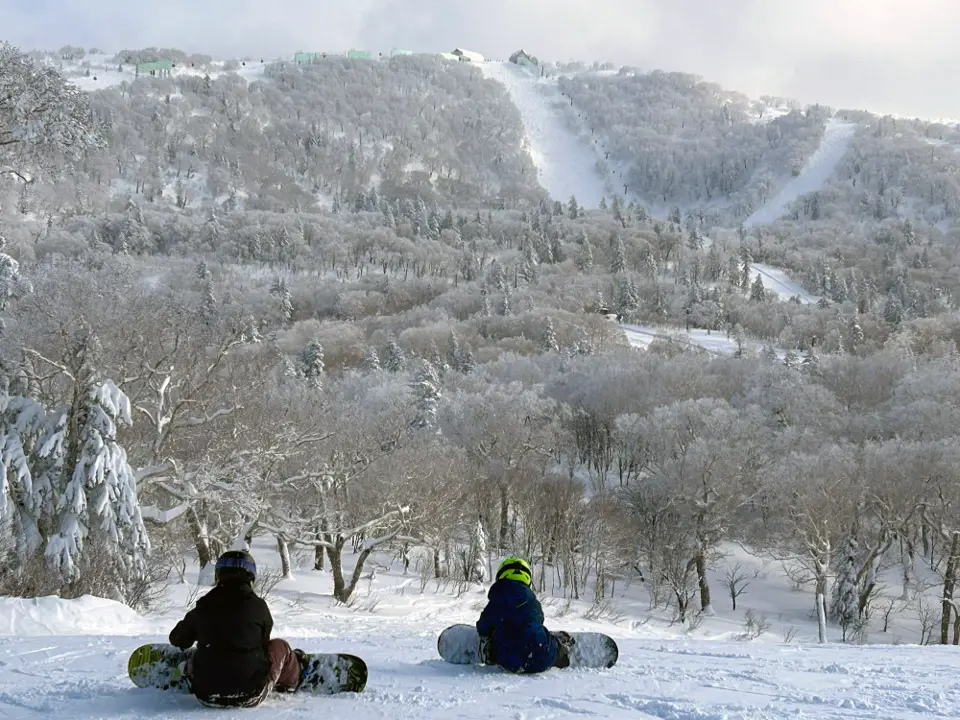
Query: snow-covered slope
x=813, y=176
x=67, y=658
x=85, y=678
x=567, y=165
x=642, y=336
x=777, y=281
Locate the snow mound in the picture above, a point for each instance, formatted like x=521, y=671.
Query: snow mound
x=815, y=174
x=87, y=615
x=567, y=165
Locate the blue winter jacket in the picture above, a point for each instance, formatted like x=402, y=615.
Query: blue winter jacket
x=513, y=620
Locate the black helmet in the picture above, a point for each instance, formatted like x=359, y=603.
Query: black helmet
x=236, y=565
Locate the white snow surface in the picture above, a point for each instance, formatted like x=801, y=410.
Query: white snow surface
x=716, y=342
x=46, y=616
x=567, y=165
x=777, y=281
x=85, y=678
x=814, y=175
x=67, y=658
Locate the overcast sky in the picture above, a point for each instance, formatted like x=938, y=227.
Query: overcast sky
x=881, y=55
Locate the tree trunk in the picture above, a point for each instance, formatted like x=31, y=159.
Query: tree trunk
x=284, y=549
x=436, y=563
x=949, y=582
x=335, y=554
x=201, y=538
x=345, y=592
x=821, y=617
x=821, y=565
x=700, y=561
x=907, y=564
x=504, y=517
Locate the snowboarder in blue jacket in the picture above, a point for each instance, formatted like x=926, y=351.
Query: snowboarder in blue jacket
x=511, y=628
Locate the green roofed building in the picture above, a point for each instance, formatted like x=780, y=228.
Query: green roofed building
x=302, y=57
x=395, y=52
x=359, y=54
x=157, y=67
x=522, y=58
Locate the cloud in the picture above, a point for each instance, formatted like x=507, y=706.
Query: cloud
x=864, y=53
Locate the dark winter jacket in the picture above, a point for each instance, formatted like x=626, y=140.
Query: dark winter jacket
x=231, y=626
x=513, y=621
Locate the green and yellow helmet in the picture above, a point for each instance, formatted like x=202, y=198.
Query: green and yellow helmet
x=514, y=568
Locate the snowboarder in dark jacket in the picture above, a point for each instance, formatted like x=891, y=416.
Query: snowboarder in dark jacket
x=511, y=625
x=235, y=662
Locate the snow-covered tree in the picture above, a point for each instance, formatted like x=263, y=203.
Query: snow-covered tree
x=758, y=292
x=279, y=289
x=476, y=567
x=427, y=395
x=454, y=356
x=99, y=499
x=311, y=363
x=208, y=306
x=856, y=334
x=584, y=258
x=371, y=360
x=619, y=263
x=548, y=340
x=66, y=488
x=845, y=605
x=396, y=360
x=12, y=284
x=810, y=361
x=43, y=118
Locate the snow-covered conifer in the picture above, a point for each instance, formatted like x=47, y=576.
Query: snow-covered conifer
x=619, y=264
x=548, y=340
x=99, y=497
x=311, y=363
x=371, y=360
x=396, y=360
x=427, y=395
x=845, y=605
x=454, y=357
x=279, y=289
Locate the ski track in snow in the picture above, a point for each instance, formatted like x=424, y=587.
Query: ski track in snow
x=567, y=166
x=85, y=678
x=813, y=176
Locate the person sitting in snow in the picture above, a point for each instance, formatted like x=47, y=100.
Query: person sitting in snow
x=511, y=628
x=235, y=664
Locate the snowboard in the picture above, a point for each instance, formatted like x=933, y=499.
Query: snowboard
x=160, y=666
x=460, y=645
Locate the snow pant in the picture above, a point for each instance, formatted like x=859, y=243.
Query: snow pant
x=535, y=652
x=283, y=676
x=284, y=666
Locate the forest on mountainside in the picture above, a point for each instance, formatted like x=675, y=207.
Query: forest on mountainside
x=426, y=362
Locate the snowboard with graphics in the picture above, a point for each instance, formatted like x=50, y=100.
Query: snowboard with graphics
x=460, y=645
x=160, y=666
